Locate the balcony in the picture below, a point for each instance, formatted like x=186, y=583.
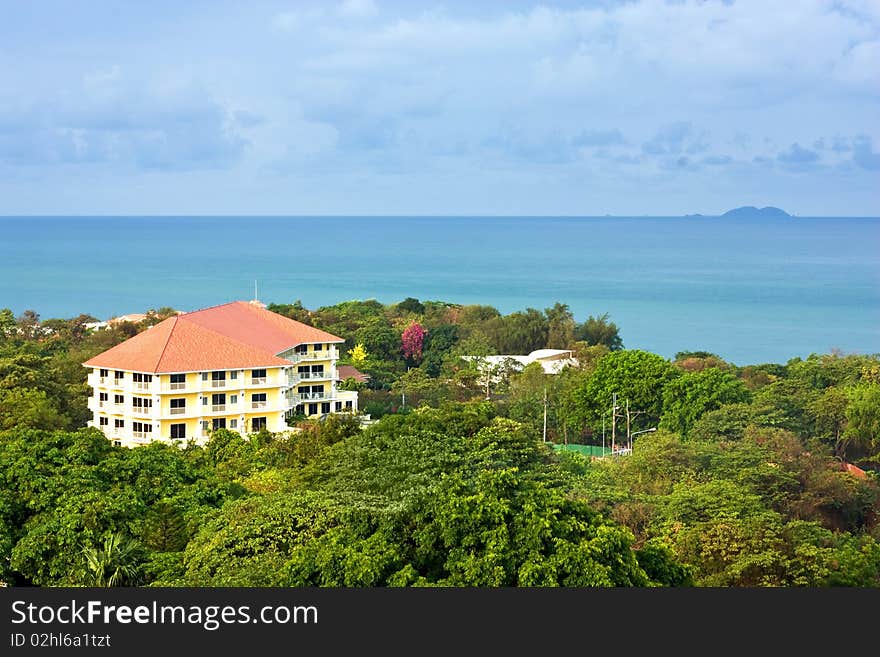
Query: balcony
x=258, y=381
x=329, y=354
x=177, y=411
x=142, y=436
x=218, y=383
x=311, y=376
x=142, y=410
x=176, y=386
x=216, y=408
x=311, y=396
x=258, y=404
x=139, y=385
x=118, y=382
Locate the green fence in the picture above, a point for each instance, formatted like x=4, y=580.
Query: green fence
x=585, y=450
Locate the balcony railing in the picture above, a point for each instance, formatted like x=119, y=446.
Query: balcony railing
x=258, y=404
x=310, y=396
x=218, y=383
x=258, y=380
x=302, y=376
x=177, y=411
x=103, y=379
x=176, y=386
x=139, y=385
x=118, y=382
x=142, y=410
x=329, y=354
x=216, y=408
x=118, y=407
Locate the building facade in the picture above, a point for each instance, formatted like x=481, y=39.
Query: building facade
x=235, y=366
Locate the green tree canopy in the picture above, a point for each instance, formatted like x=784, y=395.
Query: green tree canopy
x=687, y=397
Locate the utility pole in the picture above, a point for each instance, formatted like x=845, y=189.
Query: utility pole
x=613, y=422
x=403, y=392
x=545, y=414
x=628, y=438
x=630, y=416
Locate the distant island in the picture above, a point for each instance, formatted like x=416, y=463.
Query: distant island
x=750, y=211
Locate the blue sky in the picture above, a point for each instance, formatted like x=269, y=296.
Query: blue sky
x=381, y=107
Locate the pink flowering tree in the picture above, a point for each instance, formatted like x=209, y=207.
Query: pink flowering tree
x=412, y=341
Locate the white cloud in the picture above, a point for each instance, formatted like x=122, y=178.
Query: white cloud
x=593, y=95
x=357, y=8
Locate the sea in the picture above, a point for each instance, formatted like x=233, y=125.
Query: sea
x=750, y=290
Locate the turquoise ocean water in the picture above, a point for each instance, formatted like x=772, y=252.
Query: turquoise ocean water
x=750, y=290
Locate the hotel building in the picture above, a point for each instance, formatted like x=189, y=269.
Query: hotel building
x=236, y=366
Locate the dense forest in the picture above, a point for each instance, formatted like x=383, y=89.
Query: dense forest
x=754, y=475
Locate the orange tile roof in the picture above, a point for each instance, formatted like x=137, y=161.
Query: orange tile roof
x=235, y=335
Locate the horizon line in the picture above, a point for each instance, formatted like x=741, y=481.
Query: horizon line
x=421, y=216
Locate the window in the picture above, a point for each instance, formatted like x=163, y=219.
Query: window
x=118, y=375
x=205, y=425
x=178, y=431
x=348, y=405
x=204, y=376
x=218, y=402
x=317, y=371
x=103, y=397
x=233, y=424
x=141, y=404
x=233, y=399
x=103, y=373
x=218, y=423
x=304, y=390
x=119, y=424
x=258, y=376
x=258, y=400
x=103, y=421
x=218, y=379
x=319, y=347
x=301, y=349
x=233, y=374
x=338, y=406
x=119, y=400
x=178, y=406
x=299, y=410
x=178, y=381
x=117, y=443
x=142, y=429
x=258, y=423
x=325, y=407
x=204, y=401
x=313, y=409
x=142, y=381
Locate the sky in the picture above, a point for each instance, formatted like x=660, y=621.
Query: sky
x=377, y=107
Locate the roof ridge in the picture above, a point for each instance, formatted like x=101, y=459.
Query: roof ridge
x=219, y=305
x=225, y=336
x=167, y=340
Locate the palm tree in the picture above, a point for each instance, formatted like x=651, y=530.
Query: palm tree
x=115, y=563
